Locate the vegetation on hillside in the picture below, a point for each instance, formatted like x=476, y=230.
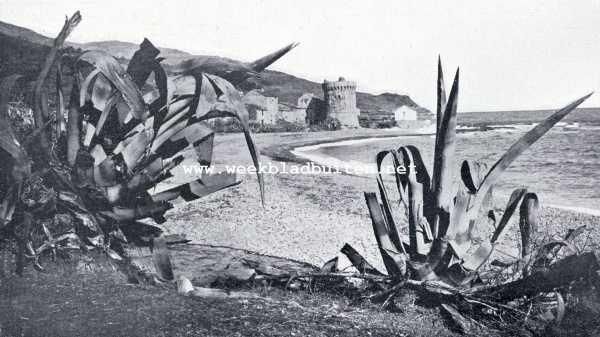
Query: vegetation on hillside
x=286, y=87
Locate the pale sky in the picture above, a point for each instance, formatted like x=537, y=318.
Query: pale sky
x=512, y=54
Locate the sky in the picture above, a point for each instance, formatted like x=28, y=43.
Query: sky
x=513, y=55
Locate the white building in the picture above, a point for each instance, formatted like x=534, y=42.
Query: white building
x=405, y=113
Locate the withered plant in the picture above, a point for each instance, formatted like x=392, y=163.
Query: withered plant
x=85, y=177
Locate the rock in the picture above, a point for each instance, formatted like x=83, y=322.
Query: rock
x=184, y=286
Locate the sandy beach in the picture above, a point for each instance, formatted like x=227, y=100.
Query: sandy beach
x=306, y=217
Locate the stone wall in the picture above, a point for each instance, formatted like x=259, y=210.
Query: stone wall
x=340, y=101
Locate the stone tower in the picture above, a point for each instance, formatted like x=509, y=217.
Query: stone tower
x=340, y=101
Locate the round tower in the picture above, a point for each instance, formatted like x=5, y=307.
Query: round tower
x=340, y=101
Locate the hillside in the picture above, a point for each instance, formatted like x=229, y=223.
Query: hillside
x=23, y=49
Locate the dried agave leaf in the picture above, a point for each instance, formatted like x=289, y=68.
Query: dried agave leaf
x=359, y=262
x=528, y=221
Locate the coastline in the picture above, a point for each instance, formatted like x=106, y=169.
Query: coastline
x=305, y=153
x=307, y=217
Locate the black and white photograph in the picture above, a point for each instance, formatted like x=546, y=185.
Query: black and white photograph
x=267, y=168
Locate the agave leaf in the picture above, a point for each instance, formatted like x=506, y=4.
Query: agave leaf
x=419, y=233
x=112, y=70
x=517, y=149
x=160, y=107
x=141, y=211
x=162, y=144
x=528, y=221
x=140, y=65
x=182, y=115
x=391, y=223
x=101, y=91
x=459, y=227
x=87, y=85
x=229, y=104
x=204, y=149
x=197, y=189
x=265, y=61
x=399, y=173
x=109, y=107
x=511, y=206
x=209, y=184
x=198, y=134
x=137, y=147
x=60, y=98
x=572, y=234
x=359, y=262
x=472, y=175
x=424, y=179
x=40, y=103
x=474, y=261
x=441, y=97
x=73, y=136
x=395, y=262
x=444, y=158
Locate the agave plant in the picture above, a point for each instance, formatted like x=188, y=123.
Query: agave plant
x=443, y=213
x=90, y=180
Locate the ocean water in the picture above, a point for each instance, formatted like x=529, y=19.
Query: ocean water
x=563, y=167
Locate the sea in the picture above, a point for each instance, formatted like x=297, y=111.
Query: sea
x=563, y=167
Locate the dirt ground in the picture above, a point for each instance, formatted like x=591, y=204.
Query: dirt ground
x=67, y=302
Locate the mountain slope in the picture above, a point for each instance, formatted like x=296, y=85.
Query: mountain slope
x=286, y=87
x=24, y=33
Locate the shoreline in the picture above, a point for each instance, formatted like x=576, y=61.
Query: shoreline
x=285, y=152
x=300, y=153
x=305, y=217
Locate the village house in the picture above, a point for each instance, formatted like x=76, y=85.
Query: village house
x=405, y=113
x=265, y=110
x=261, y=109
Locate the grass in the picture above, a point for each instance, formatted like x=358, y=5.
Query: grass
x=68, y=302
